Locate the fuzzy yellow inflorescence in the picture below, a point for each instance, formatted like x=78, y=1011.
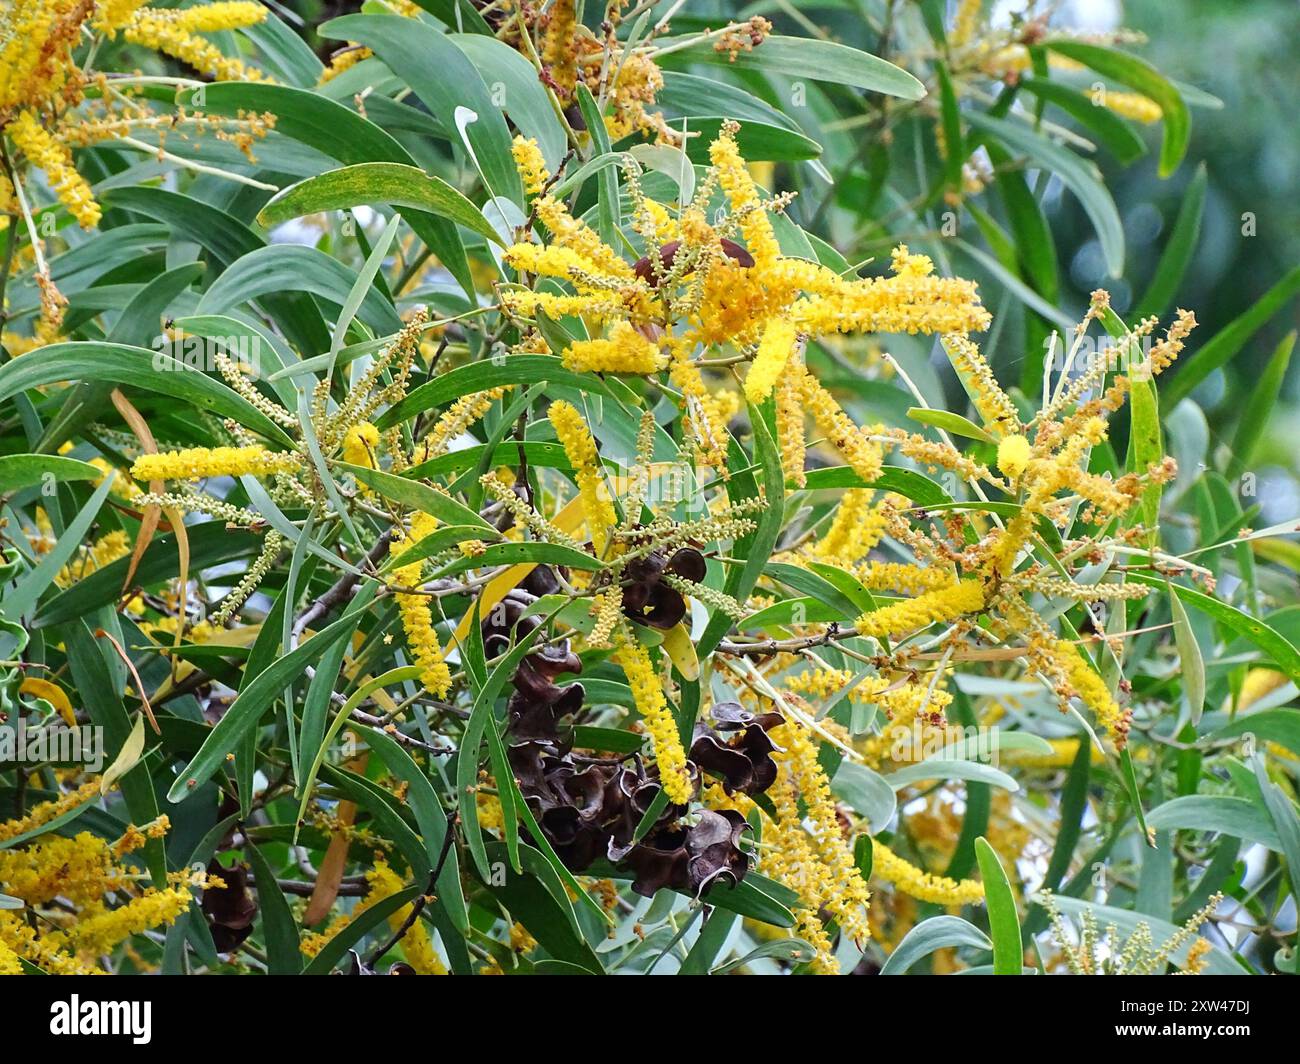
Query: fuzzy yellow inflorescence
x=199, y=462
x=1013, y=455
x=944, y=604
x=1130, y=105
x=924, y=886
x=360, y=443
x=417, y=614
x=773, y=353
x=531, y=165
x=648, y=694
x=624, y=351
x=1093, y=693
x=45, y=153
x=89, y=901
x=175, y=33
x=417, y=946
x=580, y=449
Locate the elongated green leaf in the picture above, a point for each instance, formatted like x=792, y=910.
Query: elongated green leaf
x=1239, y=817
x=279, y=928
x=1079, y=176
x=929, y=936
x=443, y=77
x=819, y=60
x=395, y=183
x=1113, y=132
x=1272, y=642
x=154, y=371
x=1004, y=923
x=19, y=471
x=1178, y=251
x=1141, y=76
x=1260, y=400
x=1225, y=345
x=247, y=709
x=290, y=267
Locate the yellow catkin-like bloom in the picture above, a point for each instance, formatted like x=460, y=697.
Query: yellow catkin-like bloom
x=196, y=463
x=9, y=961
x=104, y=551
x=569, y=232
x=98, y=929
x=80, y=869
x=580, y=449
x=1130, y=105
x=624, y=351
x=360, y=443
x=36, y=42
x=530, y=164
x=559, y=46
x=945, y=604
x=1013, y=455
x=789, y=428
x=417, y=614
x=902, y=577
x=735, y=179
x=964, y=22
x=774, y=350
x=46, y=153
x=1257, y=684
x=112, y=15
x=215, y=17
x=417, y=946
x=921, y=885
x=1092, y=692
x=864, y=456
x=42, y=814
x=994, y=405
x=856, y=529
x=648, y=694
x=152, y=28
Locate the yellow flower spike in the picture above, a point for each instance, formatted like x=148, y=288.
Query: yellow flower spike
x=856, y=528
x=945, y=604
x=417, y=946
x=1092, y=691
x=417, y=614
x=774, y=351
x=790, y=427
x=735, y=179
x=1013, y=455
x=994, y=405
x=530, y=164
x=46, y=153
x=624, y=351
x=152, y=28
x=360, y=444
x=580, y=449
x=863, y=455
x=199, y=462
x=840, y=888
x=924, y=886
x=1129, y=105
x=647, y=692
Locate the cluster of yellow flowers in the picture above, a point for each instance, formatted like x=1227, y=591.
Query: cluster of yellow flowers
x=198, y=463
x=417, y=614
x=697, y=288
x=648, y=693
x=80, y=899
